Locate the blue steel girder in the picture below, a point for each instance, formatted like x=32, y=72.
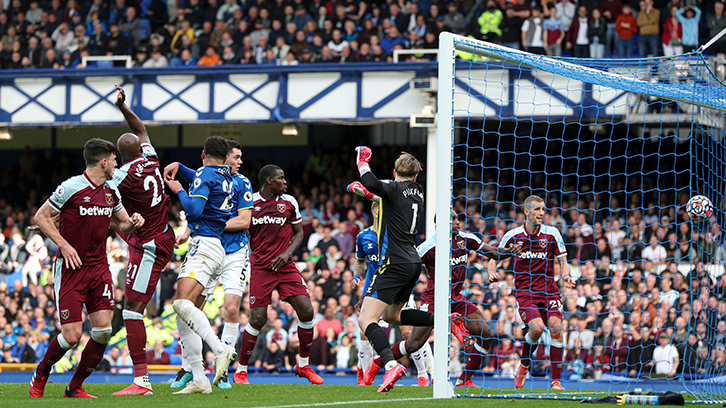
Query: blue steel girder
x=283, y=111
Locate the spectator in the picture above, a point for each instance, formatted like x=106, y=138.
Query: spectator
x=50, y=60
x=611, y=10
x=626, y=26
x=34, y=13
x=716, y=24
x=393, y=38
x=566, y=11
x=689, y=18
x=62, y=36
x=21, y=352
x=158, y=355
x=184, y=30
x=532, y=32
x=337, y=44
x=665, y=357
x=116, y=12
x=129, y=26
x=649, y=29
x=351, y=34
x=302, y=17
x=453, y=18
x=273, y=359
x=116, y=42
x=511, y=27
x=554, y=34
x=489, y=22
x=654, y=252
x=37, y=254
x=260, y=31
x=226, y=11
x=329, y=322
x=157, y=60
x=156, y=12
x=277, y=334
x=185, y=60
x=97, y=41
x=578, y=38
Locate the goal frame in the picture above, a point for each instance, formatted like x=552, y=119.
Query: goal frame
x=703, y=106
x=444, y=166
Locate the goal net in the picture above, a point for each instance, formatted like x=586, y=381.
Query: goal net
x=615, y=148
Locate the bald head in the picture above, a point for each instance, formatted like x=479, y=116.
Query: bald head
x=128, y=146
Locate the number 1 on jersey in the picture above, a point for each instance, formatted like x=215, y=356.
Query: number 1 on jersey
x=413, y=220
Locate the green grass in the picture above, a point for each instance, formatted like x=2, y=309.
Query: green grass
x=16, y=395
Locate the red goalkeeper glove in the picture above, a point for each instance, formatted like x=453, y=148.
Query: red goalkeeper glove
x=358, y=188
x=364, y=156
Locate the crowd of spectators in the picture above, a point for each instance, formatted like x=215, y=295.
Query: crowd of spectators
x=638, y=301
x=160, y=33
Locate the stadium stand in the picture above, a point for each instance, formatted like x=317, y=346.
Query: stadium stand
x=158, y=33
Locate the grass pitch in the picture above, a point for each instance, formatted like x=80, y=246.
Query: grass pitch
x=16, y=395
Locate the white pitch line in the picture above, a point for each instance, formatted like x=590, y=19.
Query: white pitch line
x=327, y=404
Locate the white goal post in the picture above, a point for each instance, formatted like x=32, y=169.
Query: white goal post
x=444, y=163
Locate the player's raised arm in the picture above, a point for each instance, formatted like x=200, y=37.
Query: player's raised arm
x=192, y=205
x=359, y=271
x=132, y=120
x=561, y=254
x=46, y=222
x=367, y=178
x=244, y=208
x=125, y=223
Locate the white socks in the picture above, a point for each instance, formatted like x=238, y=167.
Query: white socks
x=241, y=368
x=365, y=354
x=419, y=359
x=230, y=333
x=303, y=361
x=191, y=349
x=391, y=364
x=143, y=381
x=429, y=358
x=197, y=321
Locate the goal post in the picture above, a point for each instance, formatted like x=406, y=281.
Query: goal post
x=624, y=143
x=444, y=164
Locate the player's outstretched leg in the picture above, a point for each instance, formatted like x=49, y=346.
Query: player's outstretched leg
x=419, y=360
x=555, y=325
x=136, y=339
x=536, y=328
x=304, y=309
x=192, y=353
x=258, y=317
x=91, y=356
x=365, y=354
x=56, y=350
x=481, y=341
x=197, y=321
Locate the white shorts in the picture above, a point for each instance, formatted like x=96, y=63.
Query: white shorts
x=204, y=260
x=233, y=274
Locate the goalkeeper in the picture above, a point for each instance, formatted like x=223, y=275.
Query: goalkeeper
x=461, y=243
x=399, y=265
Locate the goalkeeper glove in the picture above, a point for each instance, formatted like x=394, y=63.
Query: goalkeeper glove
x=364, y=156
x=358, y=188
